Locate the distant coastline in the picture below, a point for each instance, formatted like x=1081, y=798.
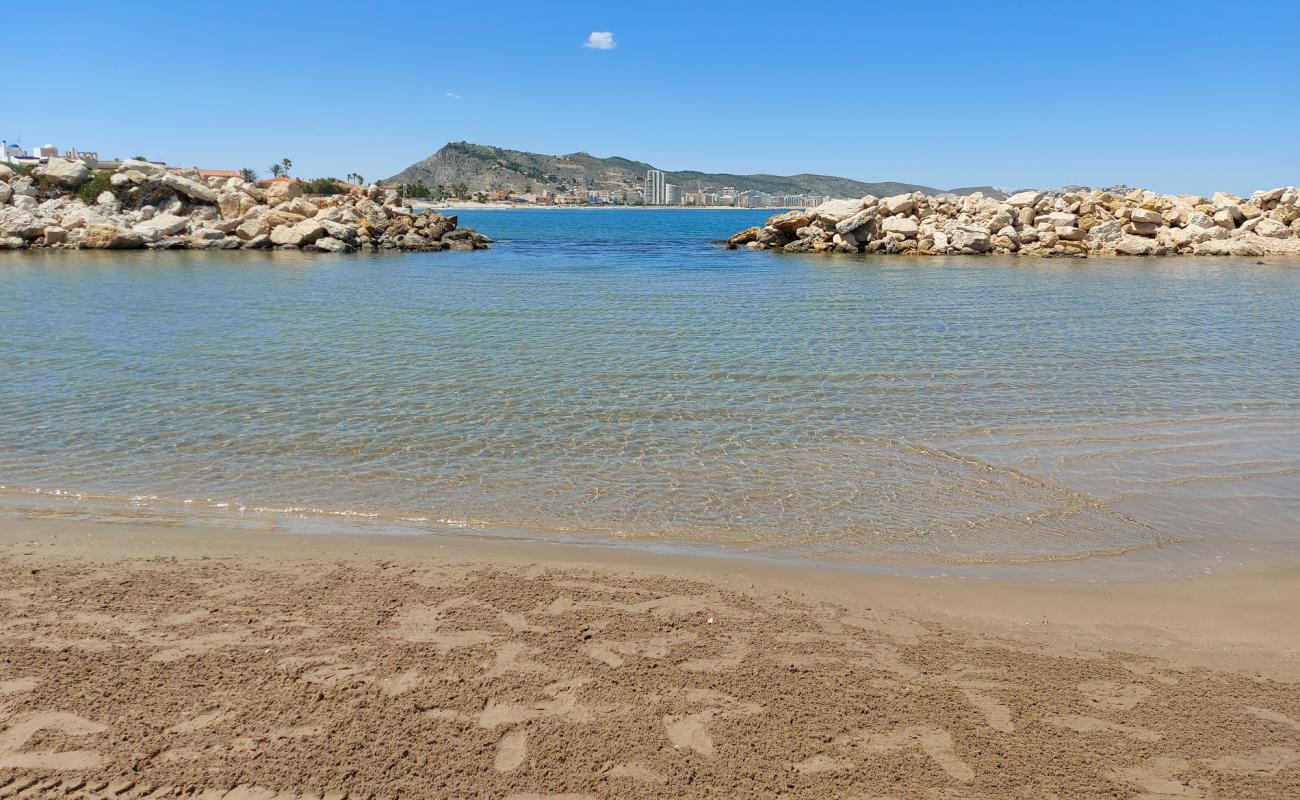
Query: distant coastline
x=469, y=205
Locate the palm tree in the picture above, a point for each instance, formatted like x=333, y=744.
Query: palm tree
x=355, y=177
x=288, y=165
x=248, y=175
x=276, y=170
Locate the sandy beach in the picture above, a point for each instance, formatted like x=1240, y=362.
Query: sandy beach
x=142, y=661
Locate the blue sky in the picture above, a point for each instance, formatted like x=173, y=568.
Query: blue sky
x=1175, y=96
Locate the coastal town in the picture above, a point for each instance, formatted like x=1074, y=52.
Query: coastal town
x=654, y=190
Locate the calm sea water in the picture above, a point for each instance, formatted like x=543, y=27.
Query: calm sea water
x=614, y=375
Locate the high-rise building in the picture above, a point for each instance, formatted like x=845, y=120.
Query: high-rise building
x=655, y=192
x=671, y=194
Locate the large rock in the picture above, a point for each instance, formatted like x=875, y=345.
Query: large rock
x=302, y=233
x=348, y=233
x=252, y=228
x=276, y=218
x=1027, y=199
x=1272, y=229
x=1146, y=215
x=300, y=206
x=971, y=239
x=329, y=244
x=190, y=188
x=898, y=204
x=1130, y=245
x=5, y=193
x=789, y=222
x=145, y=168
x=161, y=225
x=19, y=223
x=907, y=226
x=65, y=172
x=1227, y=218
x=857, y=222
x=1057, y=219
x=833, y=211
x=281, y=191
x=111, y=237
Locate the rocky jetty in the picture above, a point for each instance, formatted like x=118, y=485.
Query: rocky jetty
x=63, y=204
x=1038, y=223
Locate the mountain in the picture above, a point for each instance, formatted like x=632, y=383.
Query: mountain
x=483, y=168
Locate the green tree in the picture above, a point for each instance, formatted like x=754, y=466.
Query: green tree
x=287, y=164
x=276, y=170
x=248, y=175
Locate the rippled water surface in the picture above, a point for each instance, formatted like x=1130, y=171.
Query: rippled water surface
x=612, y=374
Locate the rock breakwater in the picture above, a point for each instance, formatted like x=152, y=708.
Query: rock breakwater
x=1040, y=223
x=142, y=204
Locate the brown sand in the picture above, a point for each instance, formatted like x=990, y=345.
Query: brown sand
x=256, y=666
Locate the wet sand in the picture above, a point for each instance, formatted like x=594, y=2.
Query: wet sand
x=255, y=665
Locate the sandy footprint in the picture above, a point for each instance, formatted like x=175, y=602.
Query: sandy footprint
x=18, y=685
x=735, y=650
x=691, y=731
x=1158, y=778
x=511, y=751
x=563, y=703
x=901, y=629
x=1084, y=724
x=613, y=653
x=513, y=657
x=1265, y=761
x=1272, y=716
x=935, y=743
x=996, y=713
x=1110, y=694
x=23, y=727
x=202, y=720
x=822, y=763
x=638, y=773
x=401, y=683
x=434, y=625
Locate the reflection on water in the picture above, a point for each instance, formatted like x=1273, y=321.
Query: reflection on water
x=612, y=374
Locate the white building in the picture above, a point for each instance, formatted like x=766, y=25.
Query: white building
x=655, y=188
x=672, y=195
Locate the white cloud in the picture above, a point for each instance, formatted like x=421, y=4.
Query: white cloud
x=453, y=95
x=600, y=40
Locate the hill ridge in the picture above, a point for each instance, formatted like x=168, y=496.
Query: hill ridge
x=483, y=168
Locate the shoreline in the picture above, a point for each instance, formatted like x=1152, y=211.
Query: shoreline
x=213, y=660
x=1168, y=559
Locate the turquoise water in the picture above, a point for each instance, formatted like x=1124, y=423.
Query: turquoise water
x=614, y=375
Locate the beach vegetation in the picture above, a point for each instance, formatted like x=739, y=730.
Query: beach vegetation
x=276, y=170
x=322, y=186
x=418, y=189
x=249, y=175
x=100, y=182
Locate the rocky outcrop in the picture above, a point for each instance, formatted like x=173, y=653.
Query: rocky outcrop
x=65, y=172
x=1038, y=223
x=148, y=205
